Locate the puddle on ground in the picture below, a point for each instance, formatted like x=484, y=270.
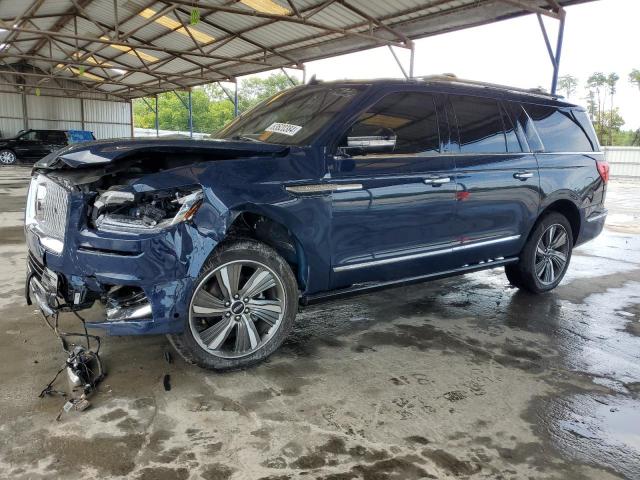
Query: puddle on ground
x=601, y=430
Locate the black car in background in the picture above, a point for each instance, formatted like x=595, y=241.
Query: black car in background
x=31, y=145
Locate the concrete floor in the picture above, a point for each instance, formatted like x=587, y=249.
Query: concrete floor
x=464, y=377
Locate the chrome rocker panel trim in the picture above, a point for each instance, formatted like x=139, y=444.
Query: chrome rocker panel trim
x=404, y=258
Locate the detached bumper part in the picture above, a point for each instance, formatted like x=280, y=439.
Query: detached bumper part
x=127, y=303
x=38, y=294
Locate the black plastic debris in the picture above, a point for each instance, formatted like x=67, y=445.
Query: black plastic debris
x=167, y=382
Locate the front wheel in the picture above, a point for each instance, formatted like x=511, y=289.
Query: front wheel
x=545, y=257
x=242, y=308
x=7, y=157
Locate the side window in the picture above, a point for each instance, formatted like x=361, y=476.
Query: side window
x=526, y=126
x=558, y=129
x=479, y=124
x=583, y=120
x=513, y=145
x=30, y=135
x=57, y=138
x=400, y=123
x=42, y=135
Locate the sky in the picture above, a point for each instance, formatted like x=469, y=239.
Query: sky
x=599, y=36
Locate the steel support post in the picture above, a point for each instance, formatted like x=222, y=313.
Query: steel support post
x=157, y=120
x=554, y=82
x=404, y=72
x=190, y=116
x=412, y=59
x=235, y=100
x=554, y=56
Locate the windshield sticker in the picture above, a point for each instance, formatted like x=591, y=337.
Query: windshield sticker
x=283, y=128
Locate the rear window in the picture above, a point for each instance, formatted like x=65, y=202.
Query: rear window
x=558, y=129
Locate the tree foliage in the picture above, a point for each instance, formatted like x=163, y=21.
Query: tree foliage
x=212, y=107
x=567, y=84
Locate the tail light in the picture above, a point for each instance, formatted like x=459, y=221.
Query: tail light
x=603, y=170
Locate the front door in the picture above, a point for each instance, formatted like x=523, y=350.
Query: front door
x=498, y=181
x=395, y=216
x=29, y=145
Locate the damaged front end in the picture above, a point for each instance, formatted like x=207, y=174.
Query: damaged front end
x=126, y=226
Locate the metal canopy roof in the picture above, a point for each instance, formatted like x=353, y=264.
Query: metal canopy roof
x=134, y=48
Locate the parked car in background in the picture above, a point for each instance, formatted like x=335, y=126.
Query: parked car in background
x=325, y=190
x=32, y=145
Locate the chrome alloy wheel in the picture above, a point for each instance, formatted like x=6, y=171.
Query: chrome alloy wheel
x=7, y=157
x=237, y=308
x=551, y=254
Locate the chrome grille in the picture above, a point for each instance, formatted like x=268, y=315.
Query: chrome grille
x=51, y=209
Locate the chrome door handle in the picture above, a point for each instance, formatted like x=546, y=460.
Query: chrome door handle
x=322, y=188
x=437, y=180
x=522, y=175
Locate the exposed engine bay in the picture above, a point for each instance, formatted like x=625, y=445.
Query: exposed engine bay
x=121, y=209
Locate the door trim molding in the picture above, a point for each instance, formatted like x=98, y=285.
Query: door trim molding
x=415, y=256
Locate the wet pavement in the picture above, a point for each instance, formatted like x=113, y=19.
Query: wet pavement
x=464, y=377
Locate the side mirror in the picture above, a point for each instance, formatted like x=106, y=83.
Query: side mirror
x=372, y=141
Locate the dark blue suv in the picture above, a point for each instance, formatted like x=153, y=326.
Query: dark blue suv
x=324, y=190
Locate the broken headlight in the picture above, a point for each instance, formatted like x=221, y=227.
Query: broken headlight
x=124, y=210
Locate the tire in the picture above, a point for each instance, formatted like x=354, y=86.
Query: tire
x=7, y=157
x=231, y=332
x=541, y=270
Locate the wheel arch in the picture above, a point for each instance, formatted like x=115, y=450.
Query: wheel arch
x=569, y=210
x=265, y=227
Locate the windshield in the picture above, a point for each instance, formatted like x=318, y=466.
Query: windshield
x=293, y=117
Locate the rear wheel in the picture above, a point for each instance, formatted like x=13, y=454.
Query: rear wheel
x=242, y=308
x=7, y=157
x=545, y=257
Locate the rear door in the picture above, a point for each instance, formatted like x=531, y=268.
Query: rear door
x=396, y=218
x=498, y=183
x=54, y=140
x=567, y=154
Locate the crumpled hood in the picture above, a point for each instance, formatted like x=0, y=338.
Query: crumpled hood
x=102, y=152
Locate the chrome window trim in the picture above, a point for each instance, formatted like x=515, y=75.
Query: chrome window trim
x=466, y=154
x=403, y=258
x=569, y=153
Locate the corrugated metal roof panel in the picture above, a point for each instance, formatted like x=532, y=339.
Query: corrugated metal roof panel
x=241, y=33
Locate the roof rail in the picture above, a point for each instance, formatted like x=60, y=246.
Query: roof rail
x=451, y=78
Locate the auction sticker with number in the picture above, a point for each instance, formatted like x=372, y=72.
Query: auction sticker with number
x=283, y=128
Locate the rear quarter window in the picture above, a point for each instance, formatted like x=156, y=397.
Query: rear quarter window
x=558, y=129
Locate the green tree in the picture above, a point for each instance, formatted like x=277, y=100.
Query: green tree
x=567, y=84
x=596, y=87
x=212, y=107
x=254, y=90
x=612, y=80
x=634, y=77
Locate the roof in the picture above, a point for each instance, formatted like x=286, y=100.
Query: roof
x=133, y=48
x=449, y=83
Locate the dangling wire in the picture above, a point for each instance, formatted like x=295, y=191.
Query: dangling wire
x=52, y=322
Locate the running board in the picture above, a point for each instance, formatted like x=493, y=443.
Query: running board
x=371, y=287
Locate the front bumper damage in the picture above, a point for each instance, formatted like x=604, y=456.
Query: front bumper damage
x=143, y=283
